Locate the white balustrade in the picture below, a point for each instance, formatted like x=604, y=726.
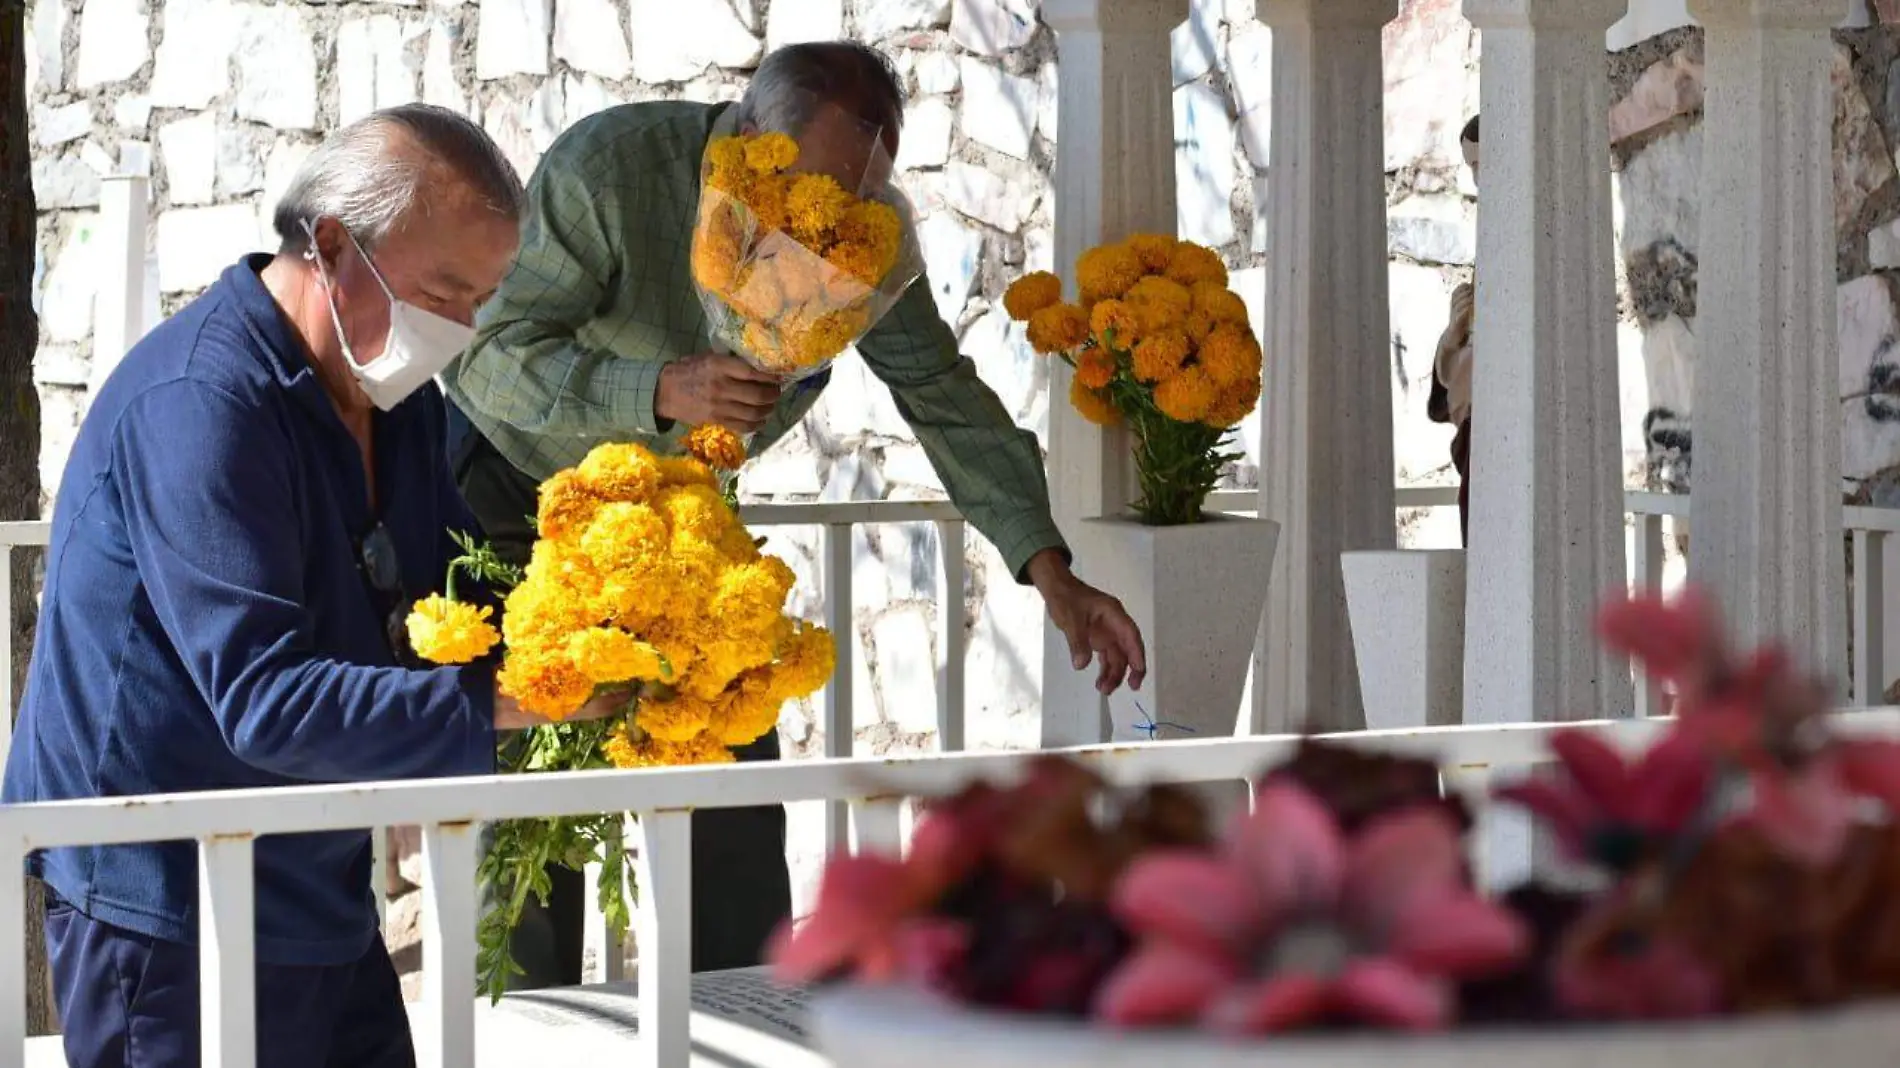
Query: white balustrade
x=225, y=823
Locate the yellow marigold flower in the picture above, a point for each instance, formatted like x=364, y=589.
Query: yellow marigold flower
x=817, y=205
x=1221, y=304
x=813, y=340
x=677, y=719
x=745, y=715
x=1030, y=294
x=738, y=545
x=566, y=505
x=685, y=471
x=1058, y=328
x=650, y=752
x=1192, y=263
x=1155, y=250
x=1160, y=304
x=697, y=510
x=541, y=613
x=1106, y=272
x=624, y=535
x=1114, y=324
x=1092, y=405
x=548, y=686
x=1230, y=355
x=1160, y=355
x=718, y=240
x=752, y=595
x=770, y=153
x=806, y=660
x=621, y=472
x=609, y=654
x=450, y=632
x=1096, y=368
x=716, y=447
x=726, y=158
x=1233, y=404
x=1186, y=396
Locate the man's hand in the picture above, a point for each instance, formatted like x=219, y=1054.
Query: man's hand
x=510, y=716
x=713, y=388
x=1097, y=626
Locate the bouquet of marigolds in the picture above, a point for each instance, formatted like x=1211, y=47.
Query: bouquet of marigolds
x=793, y=265
x=1159, y=342
x=643, y=582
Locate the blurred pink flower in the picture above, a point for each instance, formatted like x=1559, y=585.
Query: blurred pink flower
x=1291, y=923
x=1613, y=811
x=1620, y=978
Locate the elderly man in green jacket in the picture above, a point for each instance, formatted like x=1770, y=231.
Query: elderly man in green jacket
x=597, y=335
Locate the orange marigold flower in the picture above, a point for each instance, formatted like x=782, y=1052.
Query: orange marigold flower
x=1030, y=294
x=548, y=686
x=1198, y=326
x=1096, y=368
x=725, y=160
x=1093, y=405
x=1221, y=304
x=716, y=246
x=1233, y=404
x=1058, y=328
x=1160, y=355
x=870, y=237
x=716, y=447
x=1160, y=304
x=770, y=153
x=1106, y=272
x=769, y=197
x=1114, y=324
x=1230, y=355
x=1186, y=396
x=620, y=472
x=442, y=631
x=566, y=505
x=1192, y=264
x=1156, y=251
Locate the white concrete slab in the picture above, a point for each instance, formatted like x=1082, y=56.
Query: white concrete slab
x=740, y=1020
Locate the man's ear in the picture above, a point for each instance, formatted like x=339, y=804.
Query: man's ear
x=328, y=239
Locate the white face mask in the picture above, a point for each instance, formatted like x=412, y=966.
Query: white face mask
x=421, y=344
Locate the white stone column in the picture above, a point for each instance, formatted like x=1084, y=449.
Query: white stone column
x=1326, y=428
x=1546, y=541
x=1767, y=487
x=1114, y=176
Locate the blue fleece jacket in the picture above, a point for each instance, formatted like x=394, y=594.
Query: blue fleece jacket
x=209, y=621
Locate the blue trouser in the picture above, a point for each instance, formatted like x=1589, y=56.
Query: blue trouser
x=129, y=1001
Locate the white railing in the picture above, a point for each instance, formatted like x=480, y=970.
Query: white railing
x=226, y=824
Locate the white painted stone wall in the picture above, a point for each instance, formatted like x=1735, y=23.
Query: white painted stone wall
x=219, y=100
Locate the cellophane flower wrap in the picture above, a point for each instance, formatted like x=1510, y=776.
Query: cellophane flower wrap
x=1745, y=860
x=643, y=583
x=792, y=264
x=1158, y=342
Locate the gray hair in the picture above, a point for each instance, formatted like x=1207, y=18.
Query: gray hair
x=372, y=173
x=793, y=82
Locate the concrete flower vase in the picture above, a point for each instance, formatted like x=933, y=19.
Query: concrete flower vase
x=870, y=1028
x=1198, y=593
x=1408, y=634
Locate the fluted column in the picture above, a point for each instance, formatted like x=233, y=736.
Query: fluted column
x=1546, y=541
x=1326, y=448
x=1767, y=487
x=1114, y=176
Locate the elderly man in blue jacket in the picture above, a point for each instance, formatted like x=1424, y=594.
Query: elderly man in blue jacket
x=256, y=495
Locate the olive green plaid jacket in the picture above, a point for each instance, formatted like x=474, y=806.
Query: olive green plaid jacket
x=568, y=353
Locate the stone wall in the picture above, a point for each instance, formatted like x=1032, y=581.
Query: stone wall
x=219, y=100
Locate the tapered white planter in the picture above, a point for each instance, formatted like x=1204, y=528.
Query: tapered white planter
x=1408, y=633
x=1198, y=593
x=862, y=1028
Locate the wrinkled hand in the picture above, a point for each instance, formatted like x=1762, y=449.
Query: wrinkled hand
x=1098, y=628
x=715, y=388
x=510, y=716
